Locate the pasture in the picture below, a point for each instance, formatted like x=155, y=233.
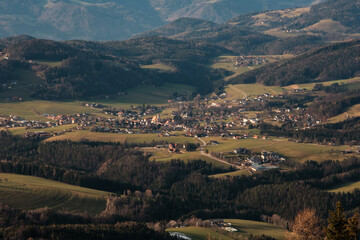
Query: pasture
x=255, y=228
x=239, y=91
x=199, y=233
x=22, y=130
x=152, y=95
x=345, y=187
x=118, y=137
x=298, y=152
x=33, y=109
x=352, y=83
x=353, y=111
x=27, y=192
x=232, y=174
x=159, y=66
x=244, y=227
x=163, y=155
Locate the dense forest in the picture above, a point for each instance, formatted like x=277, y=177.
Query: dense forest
x=165, y=191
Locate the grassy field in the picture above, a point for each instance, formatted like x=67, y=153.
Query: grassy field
x=243, y=90
x=49, y=63
x=27, y=192
x=22, y=130
x=199, y=233
x=353, y=83
x=227, y=62
x=147, y=95
x=33, y=109
x=116, y=137
x=327, y=25
x=232, y=174
x=247, y=227
x=163, y=155
x=280, y=33
x=299, y=152
x=244, y=227
x=346, y=187
x=353, y=111
x=158, y=66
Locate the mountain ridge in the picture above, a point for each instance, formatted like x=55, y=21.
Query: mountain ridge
x=111, y=20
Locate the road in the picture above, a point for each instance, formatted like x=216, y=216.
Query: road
x=202, y=152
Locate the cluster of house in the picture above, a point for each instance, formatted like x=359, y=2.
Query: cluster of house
x=134, y=113
x=82, y=119
x=14, y=99
x=15, y=121
x=245, y=61
x=220, y=223
x=265, y=161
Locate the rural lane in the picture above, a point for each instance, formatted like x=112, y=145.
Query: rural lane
x=202, y=152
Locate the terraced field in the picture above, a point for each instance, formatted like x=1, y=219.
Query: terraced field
x=27, y=192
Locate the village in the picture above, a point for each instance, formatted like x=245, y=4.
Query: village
x=214, y=116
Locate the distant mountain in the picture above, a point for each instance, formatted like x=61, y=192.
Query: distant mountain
x=292, y=30
x=116, y=20
x=332, y=17
x=335, y=61
x=219, y=10
x=76, y=19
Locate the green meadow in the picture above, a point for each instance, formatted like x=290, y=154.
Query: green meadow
x=27, y=192
x=346, y=187
x=244, y=227
x=298, y=152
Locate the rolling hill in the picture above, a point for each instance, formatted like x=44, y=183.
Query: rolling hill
x=334, y=19
x=80, y=69
x=40, y=193
x=335, y=61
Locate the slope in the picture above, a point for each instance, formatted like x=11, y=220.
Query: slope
x=27, y=192
x=335, y=61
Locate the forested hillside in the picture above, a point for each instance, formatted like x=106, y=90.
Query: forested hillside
x=335, y=61
x=87, y=69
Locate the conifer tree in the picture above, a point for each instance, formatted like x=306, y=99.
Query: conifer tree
x=337, y=227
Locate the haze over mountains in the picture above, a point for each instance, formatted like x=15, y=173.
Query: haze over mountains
x=116, y=20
